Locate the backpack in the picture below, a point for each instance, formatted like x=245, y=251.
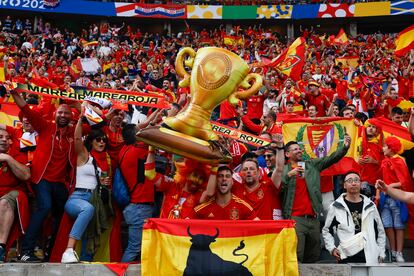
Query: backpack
x=120, y=192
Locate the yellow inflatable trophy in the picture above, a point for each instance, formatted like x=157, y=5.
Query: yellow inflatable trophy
x=216, y=74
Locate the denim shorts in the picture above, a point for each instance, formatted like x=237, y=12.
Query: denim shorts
x=391, y=214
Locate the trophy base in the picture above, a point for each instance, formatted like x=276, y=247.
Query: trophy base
x=183, y=145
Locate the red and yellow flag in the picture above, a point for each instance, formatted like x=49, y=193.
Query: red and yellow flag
x=348, y=61
x=232, y=40
x=205, y=247
x=404, y=42
x=291, y=61
x=9, y=114
x=320, y=137
x=341, y=37
x=2, y=72
x=389, y=128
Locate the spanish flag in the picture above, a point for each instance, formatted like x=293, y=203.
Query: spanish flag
x=232, y=40
x=200, y=247
x=2, y=72
x=291, y=61
x=389, y=128
x=347, y=61
x=9, y=114
x=341, y=37
x=404, y=42
x=320, y=137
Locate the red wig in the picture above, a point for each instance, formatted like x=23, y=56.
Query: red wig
x=189, y=166
x=393, y=144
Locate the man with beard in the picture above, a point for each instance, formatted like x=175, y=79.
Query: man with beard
x=301, y=195
x=114, y=133
x=261, y=193
x=225, y=205
x=53, y=166
x=370, y=157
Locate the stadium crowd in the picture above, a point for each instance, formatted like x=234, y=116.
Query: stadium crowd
x=66, y=164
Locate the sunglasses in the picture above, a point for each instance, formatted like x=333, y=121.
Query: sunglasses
x=268, y=155
x=101, y=139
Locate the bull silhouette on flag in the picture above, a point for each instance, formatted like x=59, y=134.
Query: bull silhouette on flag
x=202, y=261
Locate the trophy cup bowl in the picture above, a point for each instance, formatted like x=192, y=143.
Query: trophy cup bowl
x=216, y=74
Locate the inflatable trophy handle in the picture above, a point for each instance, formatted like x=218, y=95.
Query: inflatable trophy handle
x=246, y=84
x=185, y=57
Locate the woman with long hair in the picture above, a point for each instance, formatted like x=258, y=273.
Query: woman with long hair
x=93, y=169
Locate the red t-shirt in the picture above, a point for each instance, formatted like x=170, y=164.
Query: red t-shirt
x=15, y=134
x=255, y=107
x=302, y=204
x=58, y=78
x=264, y=199
x=320, y=101
x=176, y=200
x=341, y=88
x=303, y=86
x=129, y=157
x=326, y=183
x=57, y=168
x=369, y=172
x=394, y=170
x=9, y=181
x=403, y=87
x=236, y=209
x=227, y=111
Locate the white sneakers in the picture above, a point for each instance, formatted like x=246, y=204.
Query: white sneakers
x=398, y=256
x=70, y=256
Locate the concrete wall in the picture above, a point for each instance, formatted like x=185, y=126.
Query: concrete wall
x=47, y=269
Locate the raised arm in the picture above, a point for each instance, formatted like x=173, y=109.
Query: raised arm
x=80, y=149
x=331, y=106
x=17, y=98
x=277, y=139
x=395, y=193
x=211, y=186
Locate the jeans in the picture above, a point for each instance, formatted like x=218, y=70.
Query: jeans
x=135, y=215
x=79, y=208
x=48, y=195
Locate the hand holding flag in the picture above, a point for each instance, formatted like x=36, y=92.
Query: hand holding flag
x=347, y=139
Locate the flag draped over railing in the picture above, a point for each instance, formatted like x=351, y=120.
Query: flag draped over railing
x=201, y=247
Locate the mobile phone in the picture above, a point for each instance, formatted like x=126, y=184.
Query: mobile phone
x=302, y=165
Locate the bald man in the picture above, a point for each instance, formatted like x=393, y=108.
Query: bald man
x=53, y=165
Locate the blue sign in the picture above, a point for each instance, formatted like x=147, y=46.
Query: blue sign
x=65, y=6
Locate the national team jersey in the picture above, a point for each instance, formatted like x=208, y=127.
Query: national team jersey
x=236, y=209
x=264, y=199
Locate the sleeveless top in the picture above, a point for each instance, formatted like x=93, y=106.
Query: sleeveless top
x=85, y=175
